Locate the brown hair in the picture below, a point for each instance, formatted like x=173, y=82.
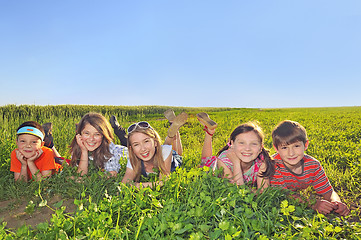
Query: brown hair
x=264, y=154
x=288, y=132
x=102, y=153
x=158, y=160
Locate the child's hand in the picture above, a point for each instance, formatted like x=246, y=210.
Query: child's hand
x=36, y=156
x=237, y=170
x=21, y=157
x=341, y=208
x=239, y=181
x=112, y=174
x=79, y=140
x=323, y=206
x=231, y=155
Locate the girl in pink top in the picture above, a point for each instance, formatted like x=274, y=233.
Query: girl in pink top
x=244, y=159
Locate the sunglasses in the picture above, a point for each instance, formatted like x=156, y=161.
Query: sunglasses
x=143, y=125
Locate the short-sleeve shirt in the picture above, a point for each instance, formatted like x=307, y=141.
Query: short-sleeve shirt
x=312, y=175
x=117, y=152
x=166, y=151
x=249, y=176
x=44, y=162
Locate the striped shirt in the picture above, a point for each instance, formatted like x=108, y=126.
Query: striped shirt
x=312, y=175
x=249, y=176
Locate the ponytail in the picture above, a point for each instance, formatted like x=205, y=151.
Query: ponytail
x=270, y=168
x=226, y=147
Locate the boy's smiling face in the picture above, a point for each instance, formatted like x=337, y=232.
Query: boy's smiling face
x=292, y=154
x=28, y=144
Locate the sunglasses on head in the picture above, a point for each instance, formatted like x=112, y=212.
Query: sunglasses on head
x=143, y=125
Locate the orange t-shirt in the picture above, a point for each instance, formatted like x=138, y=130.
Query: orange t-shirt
x=44, y=162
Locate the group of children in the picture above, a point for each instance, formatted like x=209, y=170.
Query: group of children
x=243, y=159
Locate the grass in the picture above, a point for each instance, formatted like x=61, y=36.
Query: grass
x=193, y=204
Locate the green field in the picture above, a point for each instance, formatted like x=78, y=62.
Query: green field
x=192, y=204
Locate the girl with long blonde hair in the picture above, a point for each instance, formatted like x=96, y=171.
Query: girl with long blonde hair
x=146, y=153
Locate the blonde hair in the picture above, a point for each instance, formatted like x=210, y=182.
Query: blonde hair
x=102, y=153
x=158, y=160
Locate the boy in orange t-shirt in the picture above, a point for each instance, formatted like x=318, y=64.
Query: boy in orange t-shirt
x=31, y=158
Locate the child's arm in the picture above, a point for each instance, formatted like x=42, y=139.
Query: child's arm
x=34, y=170
x=32, y=167
x=129, y=177
x=162, y=176
x=112, y=173
x=237, y=170
x=83, y=163
x=338, y=206
x=23, y=174
x=331, y=202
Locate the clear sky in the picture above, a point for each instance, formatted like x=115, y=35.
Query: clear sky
x=201, y=53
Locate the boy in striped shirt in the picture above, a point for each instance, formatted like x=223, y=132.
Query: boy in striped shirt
x=294, y=170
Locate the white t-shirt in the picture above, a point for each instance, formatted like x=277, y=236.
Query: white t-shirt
x=166, y=151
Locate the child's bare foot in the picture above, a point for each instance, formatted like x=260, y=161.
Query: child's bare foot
x=204, y=119
x=178, y=121
x=169, y=115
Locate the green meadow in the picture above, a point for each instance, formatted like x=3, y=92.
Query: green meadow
x=193, y=203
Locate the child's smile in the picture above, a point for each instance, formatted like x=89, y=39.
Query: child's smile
x=145, y=155
x=28, y=145
x=143, y=146
x=247, y=146
x=91, y=137
x=292, y=154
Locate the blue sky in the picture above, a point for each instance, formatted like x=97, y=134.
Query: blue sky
x=205, y=53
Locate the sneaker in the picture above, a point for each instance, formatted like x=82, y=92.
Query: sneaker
x=178, y=121
x=48, y=138
x=169, y=115
x=114, y=122
x=48, y=127
x=206, y=121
